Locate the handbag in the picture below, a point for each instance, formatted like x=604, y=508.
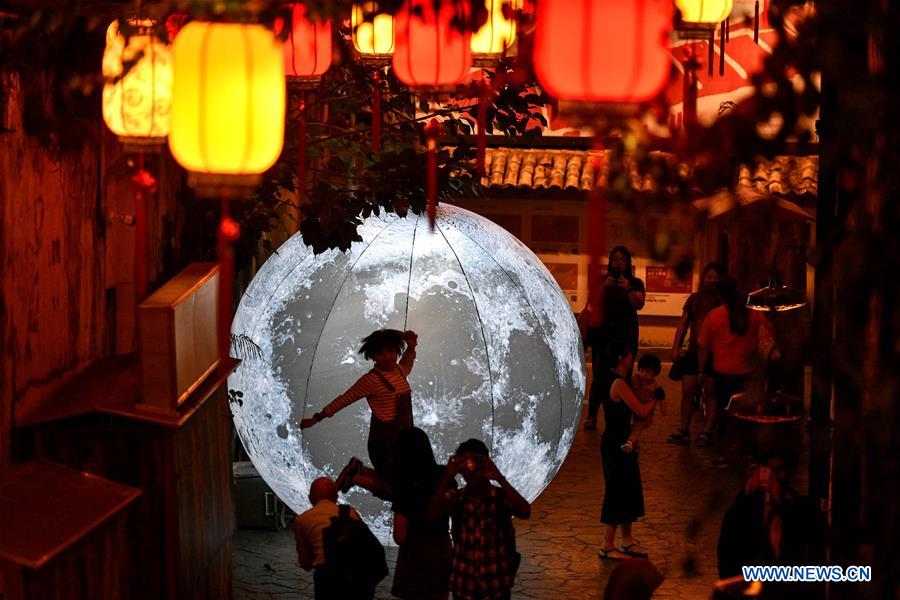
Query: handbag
x=676, y=371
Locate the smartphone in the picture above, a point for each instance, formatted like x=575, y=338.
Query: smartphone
x=615, y=272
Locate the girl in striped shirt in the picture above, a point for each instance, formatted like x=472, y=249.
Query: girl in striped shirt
x=387, y=391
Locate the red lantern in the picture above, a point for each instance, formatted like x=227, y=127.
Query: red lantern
x=602, y=50
x=307, y=49
x=307, y=55
x=429, y=53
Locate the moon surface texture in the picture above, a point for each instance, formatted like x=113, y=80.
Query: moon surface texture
x=499, y=355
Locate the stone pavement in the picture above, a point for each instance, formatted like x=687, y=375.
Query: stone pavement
x=684, y=500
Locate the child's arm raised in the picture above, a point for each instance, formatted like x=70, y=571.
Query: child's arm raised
x=364, y=386
x=409, y=357
x=519, y=505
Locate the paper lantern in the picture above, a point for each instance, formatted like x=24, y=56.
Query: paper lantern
x=429, y=53
x=307, y=48
x=373, y=39
x=229, y=103
x=490, y=43
x=137, y=104
x=499, y=355
x=710, y=12
x=602, y=50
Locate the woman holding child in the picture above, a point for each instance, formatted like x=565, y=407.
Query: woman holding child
x=623, y=500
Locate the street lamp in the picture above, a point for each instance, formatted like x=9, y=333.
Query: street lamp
x=776, y=297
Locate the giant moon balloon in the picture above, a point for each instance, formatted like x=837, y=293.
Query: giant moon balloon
x=499, y=355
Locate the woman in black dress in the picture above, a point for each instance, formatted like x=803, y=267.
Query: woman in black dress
x=423, y=562
x=611, y=315
x=623, y=500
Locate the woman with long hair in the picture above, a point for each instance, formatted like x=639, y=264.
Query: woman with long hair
x=611, y=316
x=733, y=334
x=423, y=562
x=687, y=362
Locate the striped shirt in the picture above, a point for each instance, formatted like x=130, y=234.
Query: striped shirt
x=382, y=400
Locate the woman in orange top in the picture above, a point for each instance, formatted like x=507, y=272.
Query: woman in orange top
x=733, y=334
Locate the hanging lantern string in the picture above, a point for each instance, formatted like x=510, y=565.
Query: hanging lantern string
x=722, y=48
x=712, y=52
x=756, y=23
x=229, y=232
x=144, y=185
x=376, y=112
x=432, y=135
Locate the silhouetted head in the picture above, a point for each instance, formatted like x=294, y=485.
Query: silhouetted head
x=710, y=276
x=620, y=259
x=415, y=457
x=322, y=489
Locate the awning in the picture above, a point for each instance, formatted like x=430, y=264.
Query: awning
x=751, y=204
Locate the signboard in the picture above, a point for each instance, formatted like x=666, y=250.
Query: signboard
x=666, y=292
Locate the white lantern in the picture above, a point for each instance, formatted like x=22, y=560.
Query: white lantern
x=499, y=355
x=137, y=102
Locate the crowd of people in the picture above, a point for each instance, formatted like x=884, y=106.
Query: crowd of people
x=460, y=539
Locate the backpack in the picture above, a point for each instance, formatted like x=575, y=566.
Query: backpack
x=353, y=554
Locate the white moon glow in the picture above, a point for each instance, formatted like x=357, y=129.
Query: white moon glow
x=499, y=354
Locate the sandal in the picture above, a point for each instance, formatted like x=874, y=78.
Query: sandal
x=611, y=554
x=682, y=437
x=633, y=550
x=704, y=440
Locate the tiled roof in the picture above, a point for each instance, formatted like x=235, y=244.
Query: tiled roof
x=537, y=169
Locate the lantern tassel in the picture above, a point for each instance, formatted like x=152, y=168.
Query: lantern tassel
x=432, y=133
x=301, y=150
x=144, y=185
x=756, y=23
x=376, y=113
x=481, y=140
x=722, y=49
x=229, y=232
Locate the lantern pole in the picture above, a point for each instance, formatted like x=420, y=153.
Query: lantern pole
x=229, y=231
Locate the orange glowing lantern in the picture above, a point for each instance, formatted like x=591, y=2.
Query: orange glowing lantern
x=429, y=53
x=490, y=43
x=228, y=103
x=704, y=11
x=602, y=50
x=373, y=33
x=307, y=49
x=699, y=18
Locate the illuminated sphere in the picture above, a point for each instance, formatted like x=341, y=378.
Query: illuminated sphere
x=499, y=355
